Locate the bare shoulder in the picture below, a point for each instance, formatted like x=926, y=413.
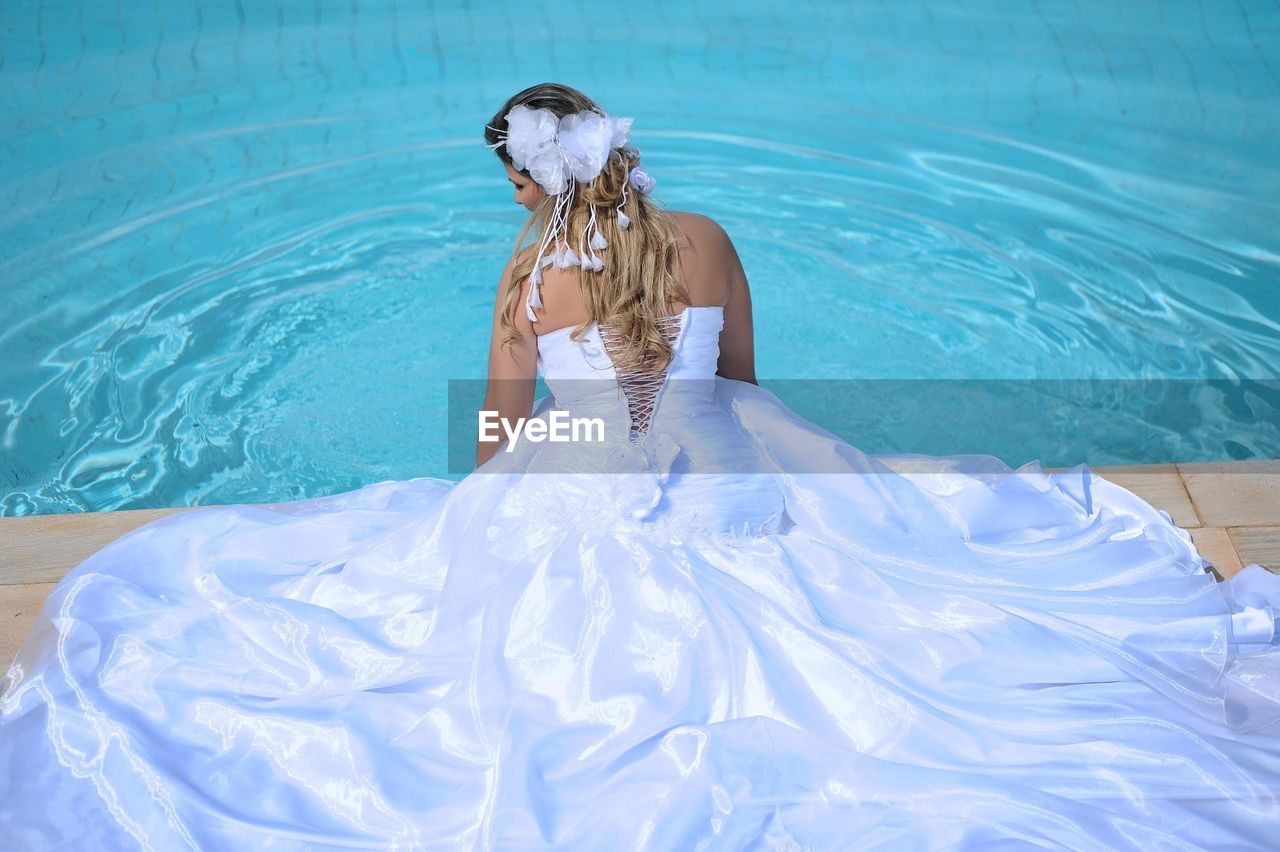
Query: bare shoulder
x=710, y=260
x=703, y=231
x=524, y=256
x=527, y=253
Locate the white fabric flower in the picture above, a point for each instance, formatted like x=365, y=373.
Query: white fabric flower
x=585, y=138
x=552, y=150
x=532, y=146
x=621, y=129
x=642, y=180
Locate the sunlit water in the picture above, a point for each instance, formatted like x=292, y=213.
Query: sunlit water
x=245, y=248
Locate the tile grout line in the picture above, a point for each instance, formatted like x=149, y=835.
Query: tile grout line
x=1187, y=491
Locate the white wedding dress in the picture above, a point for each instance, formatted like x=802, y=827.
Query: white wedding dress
x=746, y=634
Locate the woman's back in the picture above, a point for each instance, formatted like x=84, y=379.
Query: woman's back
x=701, y=270
x=708, y=270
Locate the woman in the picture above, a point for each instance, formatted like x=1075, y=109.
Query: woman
x=705, y=624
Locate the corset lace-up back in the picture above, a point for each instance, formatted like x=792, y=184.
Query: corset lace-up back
x=668, y=433
x=642, y=383
x=584, y=377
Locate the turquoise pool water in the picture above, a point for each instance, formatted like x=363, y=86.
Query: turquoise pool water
x=245, y=247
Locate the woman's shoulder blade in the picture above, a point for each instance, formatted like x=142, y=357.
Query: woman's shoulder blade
x=705, y=261
x=698, y=226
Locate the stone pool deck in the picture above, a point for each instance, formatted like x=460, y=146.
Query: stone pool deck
x=1231, y=509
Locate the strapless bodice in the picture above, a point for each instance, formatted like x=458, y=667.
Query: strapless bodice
x=697, y=350
x=683, y=443
x=583, y=380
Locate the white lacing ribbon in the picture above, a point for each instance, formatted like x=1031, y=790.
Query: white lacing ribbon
x=640, y=384
x=564, y=256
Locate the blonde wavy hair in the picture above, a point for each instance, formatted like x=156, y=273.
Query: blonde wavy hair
x=638, y=282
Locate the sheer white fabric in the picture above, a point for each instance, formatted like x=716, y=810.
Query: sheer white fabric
x=749, y=634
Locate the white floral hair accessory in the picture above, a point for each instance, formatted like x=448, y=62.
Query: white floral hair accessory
x=559, y=153
x=641, y=179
